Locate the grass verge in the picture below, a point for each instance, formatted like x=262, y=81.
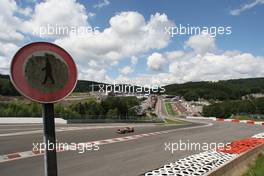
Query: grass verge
x=169, y=109
x=175, y=121
x=256, y=169
x=246, y=118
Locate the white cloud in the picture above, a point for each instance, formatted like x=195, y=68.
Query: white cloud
x=156, y=62
x=54, y=12
x=102, y=3
x=91, y=14
x=10, y=35
x=9, y=23
x=245, y=7
x=209, y=67
x=218, y=67
x=128, y=23
x=134, y=60
x=129, y=69
x=126, y=70
x=158, y=79
x=175, y=55
x=62, y=13
x=201, y=43
x=129, y=34
x=94, y=75
x=26, y=11
x=201, y=63
x=6, y=53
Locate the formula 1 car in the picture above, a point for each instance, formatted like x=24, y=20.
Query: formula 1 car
x=125, y=130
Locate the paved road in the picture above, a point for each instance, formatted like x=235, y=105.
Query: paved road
x=124, y=158
x=23, y=141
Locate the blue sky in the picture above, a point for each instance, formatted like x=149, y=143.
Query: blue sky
x=157, y=58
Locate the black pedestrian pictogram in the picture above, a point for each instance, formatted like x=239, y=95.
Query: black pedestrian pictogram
x=48, y=70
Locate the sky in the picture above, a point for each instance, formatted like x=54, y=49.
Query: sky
x=142, y=42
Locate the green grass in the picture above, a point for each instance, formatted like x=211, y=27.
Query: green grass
x=169, y=109
x=174, y=121
x=257, y=169
x=247, y=118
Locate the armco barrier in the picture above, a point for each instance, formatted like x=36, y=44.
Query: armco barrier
x=27, y=120
x=235, y=120
x=251, y=122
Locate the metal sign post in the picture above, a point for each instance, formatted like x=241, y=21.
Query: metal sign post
x=45, y=73
x=50, y=157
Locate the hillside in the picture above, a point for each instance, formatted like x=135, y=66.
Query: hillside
x=6, y=87
x=221, y=90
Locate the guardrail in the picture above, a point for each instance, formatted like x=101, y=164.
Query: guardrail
x=252, y=122
x=38, y=120
x=22, y=120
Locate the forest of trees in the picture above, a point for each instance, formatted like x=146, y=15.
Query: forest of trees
x=111, y=107
x=229, y=92
x=221, y=90
x=6, y=87
x=226, y=108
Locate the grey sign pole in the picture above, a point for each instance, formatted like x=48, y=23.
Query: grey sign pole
x=50, y=157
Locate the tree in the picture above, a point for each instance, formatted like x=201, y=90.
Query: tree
x=112, y=113
x=191, y=95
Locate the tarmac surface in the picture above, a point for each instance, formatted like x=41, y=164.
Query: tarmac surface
x=132, y=157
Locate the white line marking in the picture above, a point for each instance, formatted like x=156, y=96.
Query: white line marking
x=27, y=154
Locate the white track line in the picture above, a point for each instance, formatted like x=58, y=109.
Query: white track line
x=27, y=154
x=59, y=129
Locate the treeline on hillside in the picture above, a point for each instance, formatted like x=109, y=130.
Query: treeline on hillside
x=6, y=87
x=221, y=90
x=111, y=107
x=226, y=108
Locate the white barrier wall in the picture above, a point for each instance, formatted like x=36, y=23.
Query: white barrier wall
x=201, y=118
x=21, y=120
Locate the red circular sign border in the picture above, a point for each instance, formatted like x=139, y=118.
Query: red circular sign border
x=20, y=83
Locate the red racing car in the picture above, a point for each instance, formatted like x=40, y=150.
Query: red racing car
x=125, y=130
